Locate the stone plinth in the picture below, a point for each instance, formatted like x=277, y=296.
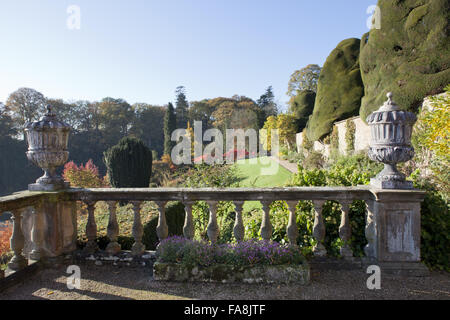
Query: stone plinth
x=393, y=231
x=50, y=230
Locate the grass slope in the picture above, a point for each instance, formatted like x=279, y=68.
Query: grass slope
x=251, y=174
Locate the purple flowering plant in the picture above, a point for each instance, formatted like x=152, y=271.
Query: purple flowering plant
x=177, y=249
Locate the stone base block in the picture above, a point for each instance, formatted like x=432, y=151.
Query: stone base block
x=49, y=187
x=402, y=269
x=391, y=185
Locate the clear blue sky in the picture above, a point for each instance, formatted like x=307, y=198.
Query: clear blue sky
x=141, y=50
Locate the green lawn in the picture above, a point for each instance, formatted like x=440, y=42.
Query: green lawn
x=260, y=174
x=252, y=175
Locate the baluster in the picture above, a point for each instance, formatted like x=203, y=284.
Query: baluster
x=37, y=233
x=319, y=229
x=138, y=230
x=213, y=228
x=17, y=243
x=162, y=230
x=91, y=229
x=370, y=231
x=345, y=230
x=292, y=229
x=188, y=228
x=238, y=229
x=112, y=230
x=266, y=226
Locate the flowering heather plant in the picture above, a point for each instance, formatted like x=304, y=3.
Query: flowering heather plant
x=247, y=253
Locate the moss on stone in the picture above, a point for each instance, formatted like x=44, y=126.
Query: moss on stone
x=409, y=55
x=339, y=90
x=224, y=273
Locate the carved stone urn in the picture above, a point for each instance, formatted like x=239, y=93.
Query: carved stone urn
x=47, y=148
x=390, y=143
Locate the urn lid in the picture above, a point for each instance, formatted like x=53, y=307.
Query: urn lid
x=390, y=112
x=47, y=121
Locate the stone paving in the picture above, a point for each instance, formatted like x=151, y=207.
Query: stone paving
x=109, y=282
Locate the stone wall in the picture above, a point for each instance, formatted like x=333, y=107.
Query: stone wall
x=362, y=133
x=362, y=138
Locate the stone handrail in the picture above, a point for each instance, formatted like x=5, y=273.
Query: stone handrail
x=47, y=220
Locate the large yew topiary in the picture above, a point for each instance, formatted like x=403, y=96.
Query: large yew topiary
x=409, y=55
x=302, y=106
x=339, y=90
x=129, y=164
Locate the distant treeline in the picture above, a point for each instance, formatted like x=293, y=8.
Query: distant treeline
x=96, y=126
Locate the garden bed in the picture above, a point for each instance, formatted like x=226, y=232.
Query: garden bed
x=184, y=260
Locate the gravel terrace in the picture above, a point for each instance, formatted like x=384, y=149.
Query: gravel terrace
x=107, y=282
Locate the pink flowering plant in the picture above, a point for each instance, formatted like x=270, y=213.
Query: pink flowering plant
x=177, y=249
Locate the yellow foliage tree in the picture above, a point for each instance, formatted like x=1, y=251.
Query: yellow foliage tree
x=431, y=141
x=285, y=123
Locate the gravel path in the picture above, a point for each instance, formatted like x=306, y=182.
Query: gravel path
x=112, y=282
x=292, y=167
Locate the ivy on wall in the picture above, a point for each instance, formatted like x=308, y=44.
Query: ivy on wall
x=307, y=144
x=350, y=136
x=334, y=140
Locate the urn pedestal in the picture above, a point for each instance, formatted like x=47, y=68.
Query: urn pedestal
x=47, y=148
x=390, y=144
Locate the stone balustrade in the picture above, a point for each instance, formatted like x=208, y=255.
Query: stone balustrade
x=47, y=220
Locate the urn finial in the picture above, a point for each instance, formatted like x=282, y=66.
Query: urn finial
x=390, y=143
x=390, y=95
x=47, y=148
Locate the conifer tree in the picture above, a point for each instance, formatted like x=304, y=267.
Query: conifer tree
x=182, y=108
x=170, y=125
x=129, y=164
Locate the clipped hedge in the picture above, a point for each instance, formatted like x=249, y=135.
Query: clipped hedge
x=302, y=106
x=340, y=89
x=409, y=55
x=129, y=164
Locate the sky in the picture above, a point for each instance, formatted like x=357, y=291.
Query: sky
x=141, y=50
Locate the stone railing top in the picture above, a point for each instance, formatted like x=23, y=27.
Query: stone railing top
x=225, y=194
x=26, y=198
x=21, y=199
x=244, y=194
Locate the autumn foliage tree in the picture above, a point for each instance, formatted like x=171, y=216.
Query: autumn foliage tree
x=431, y=140
x=286, y=126
x=304, y=79
x=5, y=235
x=83, y=176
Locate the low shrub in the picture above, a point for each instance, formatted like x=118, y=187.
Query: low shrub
x=294, y=157
x=175, y=220
x=435, y=226
x=314, y=159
